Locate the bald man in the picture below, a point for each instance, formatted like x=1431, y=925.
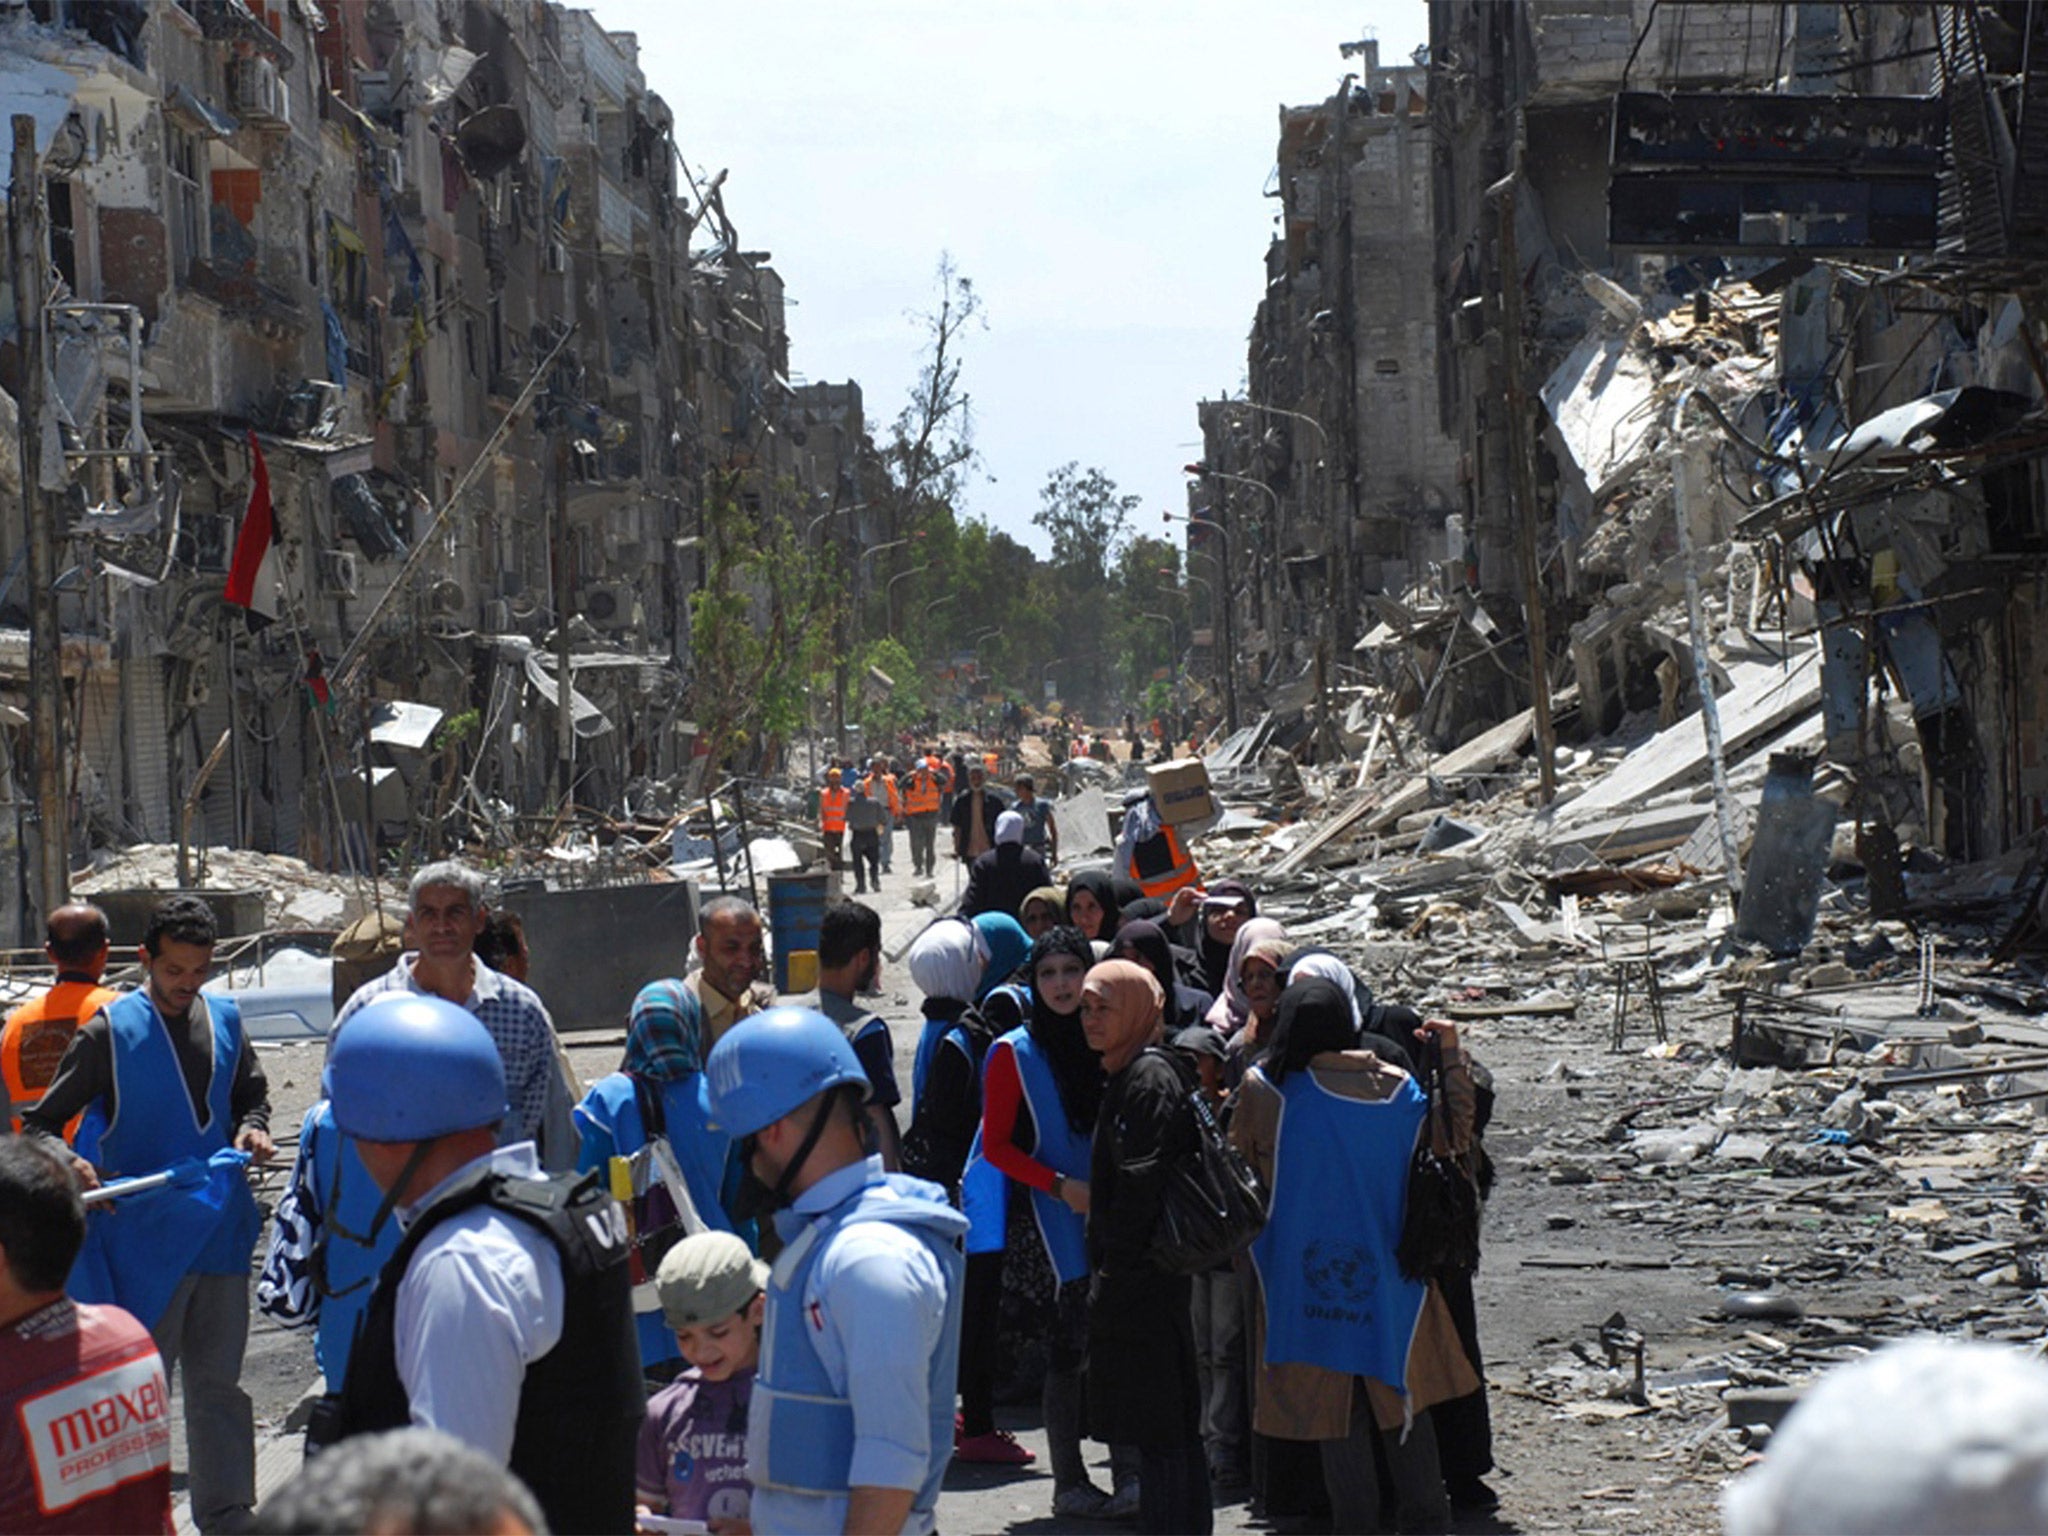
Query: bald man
x=35, y=1036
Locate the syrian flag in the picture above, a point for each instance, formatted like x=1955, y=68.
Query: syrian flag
x=252, y=579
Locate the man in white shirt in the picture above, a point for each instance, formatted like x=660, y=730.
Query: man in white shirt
x=505, y=1316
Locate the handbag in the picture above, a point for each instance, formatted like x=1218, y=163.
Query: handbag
x=1440, y=1225
x=1212, y=1205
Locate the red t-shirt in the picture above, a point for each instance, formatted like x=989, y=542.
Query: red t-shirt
x=85, y=1431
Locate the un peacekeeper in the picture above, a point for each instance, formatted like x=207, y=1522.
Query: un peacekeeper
x=505, y=1317
x=851, y=1424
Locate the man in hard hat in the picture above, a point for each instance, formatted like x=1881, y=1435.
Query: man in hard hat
x=505, y=1316
x=851, y=1424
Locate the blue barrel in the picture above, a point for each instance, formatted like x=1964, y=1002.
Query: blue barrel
x=796, y=918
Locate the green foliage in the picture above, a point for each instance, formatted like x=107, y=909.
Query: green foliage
x=761, y=625
x=881, y=717
x=457, y=728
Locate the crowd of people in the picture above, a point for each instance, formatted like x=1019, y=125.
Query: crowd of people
x=828, y=1280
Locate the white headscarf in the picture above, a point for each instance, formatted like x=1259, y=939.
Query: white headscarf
x=1332, y=970
x=1009, y=828
x=947, y=960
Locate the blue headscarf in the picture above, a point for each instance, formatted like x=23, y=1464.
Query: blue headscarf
x=1008, y=944
x=665, y=1033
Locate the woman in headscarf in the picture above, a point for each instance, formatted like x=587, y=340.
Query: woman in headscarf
x=1144, y=1386
x=954, y=964
x=1026, y=1190
x=1043, y=910
x=1145, y=942
x=1224, y=909
x=1386, y=1029
x=1233, y=1008
x=654, y=1097
x=953, y=973
x=1331, y=1130
x=1092, y=905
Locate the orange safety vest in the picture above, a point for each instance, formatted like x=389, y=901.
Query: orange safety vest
x=1162, y=865
x=832, y=809
x=895, y=801
x=921, y=792
x=942, y=771
x=35, y=1036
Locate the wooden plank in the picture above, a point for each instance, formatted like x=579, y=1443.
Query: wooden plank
x=1554, y=1007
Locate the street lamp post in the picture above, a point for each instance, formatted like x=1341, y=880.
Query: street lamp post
x=1322, y=437
x=1221, y=596
x=889, y=590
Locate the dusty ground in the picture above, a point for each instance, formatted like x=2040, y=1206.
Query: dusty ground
x=1872, y=1241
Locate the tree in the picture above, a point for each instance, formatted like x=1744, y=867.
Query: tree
x=1087, y=517
x=760, y=626
x=930, y=448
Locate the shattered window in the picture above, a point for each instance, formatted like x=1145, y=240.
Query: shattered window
x=185, y=197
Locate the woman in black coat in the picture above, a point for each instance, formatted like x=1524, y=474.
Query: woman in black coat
x=1144, y=1387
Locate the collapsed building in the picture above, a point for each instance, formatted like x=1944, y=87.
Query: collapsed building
x=1736, y=352
x=438, y=276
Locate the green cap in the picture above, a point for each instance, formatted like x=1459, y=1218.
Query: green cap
x=707, y=1277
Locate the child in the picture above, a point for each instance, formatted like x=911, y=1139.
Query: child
x=693, y=1445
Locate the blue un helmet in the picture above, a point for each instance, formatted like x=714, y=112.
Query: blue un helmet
x=773, y=1062
x=410, y=1068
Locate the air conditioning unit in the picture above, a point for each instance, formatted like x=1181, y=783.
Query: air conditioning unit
x=260, y=94
x=337, y=571
x=447, y=596
x=608, y=604
x=497, y=616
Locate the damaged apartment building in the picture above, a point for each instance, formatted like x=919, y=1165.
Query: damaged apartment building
x=1739, y=372
x=437, y=273
x=1327, y=483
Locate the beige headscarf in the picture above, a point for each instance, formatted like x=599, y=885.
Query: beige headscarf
x=1136, y=1003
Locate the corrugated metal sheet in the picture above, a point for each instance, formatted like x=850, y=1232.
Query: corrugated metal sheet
x=145, y=729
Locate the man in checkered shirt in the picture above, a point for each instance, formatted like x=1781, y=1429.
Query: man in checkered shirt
x=447, y=901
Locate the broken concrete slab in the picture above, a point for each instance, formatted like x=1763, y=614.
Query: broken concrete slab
x=1765, y=698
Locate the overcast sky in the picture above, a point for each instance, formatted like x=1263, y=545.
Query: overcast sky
x=1096, y=168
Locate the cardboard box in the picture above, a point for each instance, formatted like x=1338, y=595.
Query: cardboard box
x=1181, y=790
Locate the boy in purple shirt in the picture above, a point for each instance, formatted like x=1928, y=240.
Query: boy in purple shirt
x=693, y=1445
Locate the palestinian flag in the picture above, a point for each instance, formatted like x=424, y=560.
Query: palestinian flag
x=317, y=693
x=252, y=579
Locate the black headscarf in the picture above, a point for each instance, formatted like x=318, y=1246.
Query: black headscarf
x=1076, y=1070
x=1216, y=957
x=1097, y=883
x=1313, y=1017
x=1145, y=942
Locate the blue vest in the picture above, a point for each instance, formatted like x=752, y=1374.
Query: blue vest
x=610, y=1124
x=800, y=1423
x=921, y=1063
x=1334, y=1295
x=349, y=1258
x=984, y=1191
x=139, y=1248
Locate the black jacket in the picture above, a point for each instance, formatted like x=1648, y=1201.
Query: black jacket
x=992, y=805
x=1143, y=1386
x=999, y=880
x=581, y=1403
